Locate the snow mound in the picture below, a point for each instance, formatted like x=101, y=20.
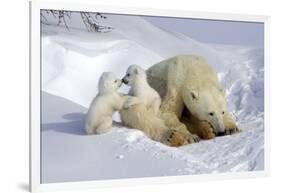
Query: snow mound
x=71, y=69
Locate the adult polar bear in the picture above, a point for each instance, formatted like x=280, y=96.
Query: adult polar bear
x=192, y=100
x=190, y=89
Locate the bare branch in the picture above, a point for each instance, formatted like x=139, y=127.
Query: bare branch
x=42, y=16
x=91, y=21
x=62, y=19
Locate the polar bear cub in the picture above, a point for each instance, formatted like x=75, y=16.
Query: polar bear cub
x=107, y=101
x=136, y=78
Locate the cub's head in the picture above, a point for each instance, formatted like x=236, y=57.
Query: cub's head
x=108, y=83
x=209, y=105
x=134, y=73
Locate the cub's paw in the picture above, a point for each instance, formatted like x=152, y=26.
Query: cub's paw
x=233, y=130
x=174, y=138
x=192, y=138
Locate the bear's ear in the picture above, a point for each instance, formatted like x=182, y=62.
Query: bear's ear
x=194, y=95
x=222, y=91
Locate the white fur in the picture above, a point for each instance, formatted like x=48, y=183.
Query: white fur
x=107, y=101
x=136, y=78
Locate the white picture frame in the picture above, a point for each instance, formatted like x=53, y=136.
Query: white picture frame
x=35, y=78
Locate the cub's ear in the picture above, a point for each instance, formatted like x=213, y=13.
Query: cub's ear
x=194, y=95
x=106, y=84
x=136, y=71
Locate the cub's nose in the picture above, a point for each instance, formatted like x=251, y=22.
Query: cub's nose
x=124, y=81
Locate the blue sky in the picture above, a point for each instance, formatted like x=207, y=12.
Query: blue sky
x=214, y=31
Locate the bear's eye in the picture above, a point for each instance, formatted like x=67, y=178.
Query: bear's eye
x=211, y=114
x=128, y=75
x=223, y=112
x=115, y=81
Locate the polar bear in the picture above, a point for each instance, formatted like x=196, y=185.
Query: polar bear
x=106, y=102
x=136, y=78
x=191, y=92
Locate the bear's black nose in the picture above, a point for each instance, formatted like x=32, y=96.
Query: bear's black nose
x=220, y=133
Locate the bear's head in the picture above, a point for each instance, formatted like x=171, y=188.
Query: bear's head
x=108, y=83
x=207, y=105
x=134, y=75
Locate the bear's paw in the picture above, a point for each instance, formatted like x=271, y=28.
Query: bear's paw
x=192, y=138
x=232, y=130
x=206, y=130
x=174, y=138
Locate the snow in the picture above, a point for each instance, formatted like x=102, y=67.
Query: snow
x=72, y=62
